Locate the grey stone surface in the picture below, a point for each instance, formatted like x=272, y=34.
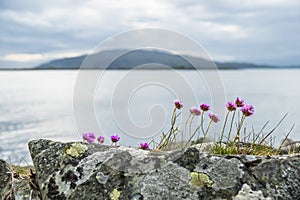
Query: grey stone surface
x=280, y=177
x=13, y=185
x=4, y=178
x=91, y=171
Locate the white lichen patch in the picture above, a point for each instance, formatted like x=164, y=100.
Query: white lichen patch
x=62, y=186
x=76, y=149
x=89, y=163
x=246, y=193
x=101, y=178
x=138, y=154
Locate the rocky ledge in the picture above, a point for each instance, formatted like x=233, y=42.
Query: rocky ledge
x=79, y=170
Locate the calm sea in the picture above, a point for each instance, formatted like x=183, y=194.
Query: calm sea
x=39, y=104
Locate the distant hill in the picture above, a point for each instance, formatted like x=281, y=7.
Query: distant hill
x=144, y=57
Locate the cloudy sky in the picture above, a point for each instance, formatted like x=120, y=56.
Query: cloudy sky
x=265, y=32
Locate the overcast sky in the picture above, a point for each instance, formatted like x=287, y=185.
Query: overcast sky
x=258, y=31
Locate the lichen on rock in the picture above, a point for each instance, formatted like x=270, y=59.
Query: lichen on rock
x=115, y=195
x=246, y=193
x=101, y=178
x=106, y=172
x=200, y=180
x=76, y=149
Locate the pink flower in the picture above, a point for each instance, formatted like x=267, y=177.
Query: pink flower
x=204, y=107
x=100, y=139
x=247, y=110
x=178, y=104
x=239, y=102
x=144, y=146
x=195, y=111
x=214, y=117
x=89, y=137
x=114, y=138
x=231, y=106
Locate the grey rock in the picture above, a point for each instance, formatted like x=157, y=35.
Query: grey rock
x=279, y=178
x=5, y=178
x=91, y=171
x=14, y=186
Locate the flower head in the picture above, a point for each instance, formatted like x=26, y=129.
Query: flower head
x=144, y=146
x=195, y=111
x=239, y=102
x=89, y=137
x=178, y=104
x=231, y=106
x=247, y=110
x=204, y=107
x=100, y=139
x=214, y=117
x=114, y=138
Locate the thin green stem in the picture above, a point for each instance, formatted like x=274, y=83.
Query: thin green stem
x=166, y=140
x=202, y=119
x=196, y=130
x=185, y=126
x=238, y=131
x=190, y=126
x=223, y=129
x=206, y=132
x=240, y=125
x=231, y=125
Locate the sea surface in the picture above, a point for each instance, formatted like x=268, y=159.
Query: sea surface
x=136, y=105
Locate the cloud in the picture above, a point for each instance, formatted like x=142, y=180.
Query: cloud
x=22, y=57
x=24, y=18
x=34, y=59
x=250, y=31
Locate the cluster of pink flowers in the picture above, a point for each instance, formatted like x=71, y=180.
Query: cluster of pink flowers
x=114, y=138
x=239, y=102
x=203, y=108
x=231, y=106
x=100, y=139
x=247, y=109
x=144, y=146
x=178, y=104
x=214, y=117
x=195, y=111
x=90, y=138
